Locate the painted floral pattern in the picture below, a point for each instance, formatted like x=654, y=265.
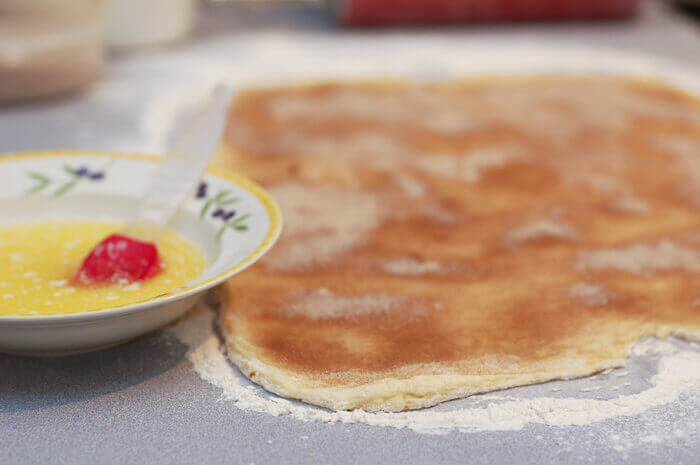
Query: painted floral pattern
x=219, y=206
x=76, y=175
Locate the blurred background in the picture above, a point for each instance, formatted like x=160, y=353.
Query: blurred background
x=111, y=74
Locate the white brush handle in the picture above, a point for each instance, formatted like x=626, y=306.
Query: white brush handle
x=189, y=152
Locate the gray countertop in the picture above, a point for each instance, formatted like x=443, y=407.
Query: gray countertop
x=142, y=402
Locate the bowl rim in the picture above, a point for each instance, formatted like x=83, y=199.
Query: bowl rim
x=273, y=232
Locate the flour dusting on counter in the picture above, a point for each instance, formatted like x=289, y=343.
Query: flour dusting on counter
x=567, y=403
x=678, y=373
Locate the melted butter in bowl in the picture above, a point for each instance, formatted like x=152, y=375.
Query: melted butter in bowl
x=38, y=261
x=57, y=205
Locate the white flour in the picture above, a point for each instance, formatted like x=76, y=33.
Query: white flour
x=678, y=372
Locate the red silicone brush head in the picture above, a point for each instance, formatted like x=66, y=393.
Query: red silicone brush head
x=119, y=259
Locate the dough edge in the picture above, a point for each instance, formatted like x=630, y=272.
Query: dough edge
x=420, y=391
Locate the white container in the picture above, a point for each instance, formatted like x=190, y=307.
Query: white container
x=137, y=23
x=48, y=47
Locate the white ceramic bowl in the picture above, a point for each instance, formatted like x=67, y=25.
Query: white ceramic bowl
x=35, y=187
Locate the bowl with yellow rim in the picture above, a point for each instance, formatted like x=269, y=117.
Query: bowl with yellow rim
x=55, y=202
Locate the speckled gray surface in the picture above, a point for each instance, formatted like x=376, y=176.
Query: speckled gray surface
x=142, y=403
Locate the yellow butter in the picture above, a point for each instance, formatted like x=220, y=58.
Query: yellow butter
x=38, y=260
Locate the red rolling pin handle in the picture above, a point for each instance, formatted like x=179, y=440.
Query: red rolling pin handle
x=378, y=12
